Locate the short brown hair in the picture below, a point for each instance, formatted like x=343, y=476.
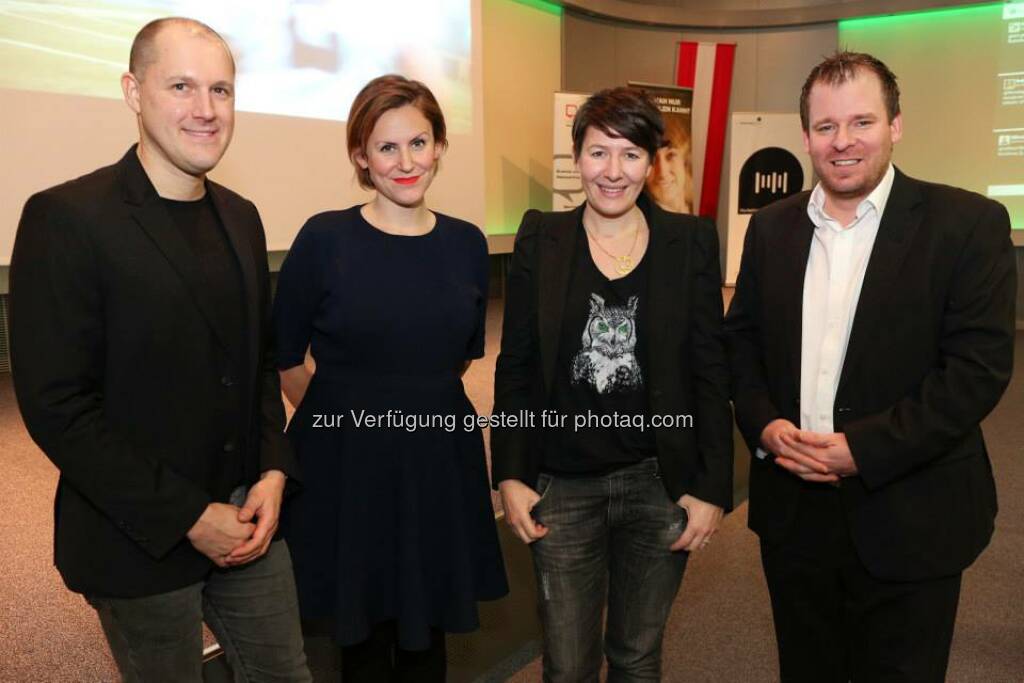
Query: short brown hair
x=141, y=55
x=383, y=94
x=620, y=112
x=844, y=66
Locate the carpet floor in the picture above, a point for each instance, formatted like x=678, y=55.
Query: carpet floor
x=720, y=629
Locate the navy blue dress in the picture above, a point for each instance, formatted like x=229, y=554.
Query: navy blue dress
x=394, y=518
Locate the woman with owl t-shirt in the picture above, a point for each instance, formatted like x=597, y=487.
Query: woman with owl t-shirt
x=612, y=339
x=392, y=535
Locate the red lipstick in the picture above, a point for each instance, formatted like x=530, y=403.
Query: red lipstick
x=407, y=181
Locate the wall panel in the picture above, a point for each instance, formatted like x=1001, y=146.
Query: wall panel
x=522, y=68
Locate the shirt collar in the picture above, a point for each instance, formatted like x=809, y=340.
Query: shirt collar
x=877, y=200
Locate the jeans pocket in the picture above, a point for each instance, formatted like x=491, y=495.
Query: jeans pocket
x=676, y=515
x=544, y=483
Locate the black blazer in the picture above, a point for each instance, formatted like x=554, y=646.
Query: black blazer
x=930, y=353
x=120, y=372
x=688, y=370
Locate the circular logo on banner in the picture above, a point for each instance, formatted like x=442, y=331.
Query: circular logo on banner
x=768, y=175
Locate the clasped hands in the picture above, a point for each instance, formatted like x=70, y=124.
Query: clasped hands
x=518, y=501
x=231, y=535
x=812, y=456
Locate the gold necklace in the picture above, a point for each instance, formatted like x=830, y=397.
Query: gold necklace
x=623, y=264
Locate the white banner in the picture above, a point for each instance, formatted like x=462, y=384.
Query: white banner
x=767, y=162
x=566, y=186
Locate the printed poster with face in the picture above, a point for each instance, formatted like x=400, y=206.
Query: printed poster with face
x=671, y=181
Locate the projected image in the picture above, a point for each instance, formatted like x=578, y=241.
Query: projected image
x=1009, y=121
x=961, y=74
x=303, y=58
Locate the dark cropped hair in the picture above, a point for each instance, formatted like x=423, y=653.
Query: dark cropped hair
x=842, y=67
x=142, y=53
x=382, y=94
x=620, y=112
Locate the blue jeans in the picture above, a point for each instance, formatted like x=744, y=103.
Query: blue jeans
x=606, y=535
x=252, y=610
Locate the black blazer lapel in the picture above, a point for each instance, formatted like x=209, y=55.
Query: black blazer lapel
x=151, y=216
x=557, y=245
x=796, y=249
x=666, y=251
x=900, y=222
x=234, y=221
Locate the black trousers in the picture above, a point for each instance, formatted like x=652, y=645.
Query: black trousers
x=835, y=622
x=378, y=659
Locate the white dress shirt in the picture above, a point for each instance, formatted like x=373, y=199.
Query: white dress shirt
x=835, y=271
x=832, y=282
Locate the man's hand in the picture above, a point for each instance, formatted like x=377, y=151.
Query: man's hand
x=702, y=522
x=771, y=435
x=831, y=450
x=218, y=531
x=264, y=504
x=780, y=437
x=518, y=500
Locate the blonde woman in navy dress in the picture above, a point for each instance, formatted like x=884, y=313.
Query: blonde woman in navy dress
x=393, y=537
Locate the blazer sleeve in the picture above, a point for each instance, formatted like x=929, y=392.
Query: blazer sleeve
x=713, y=419
x=974, y=366
x=275, y=450
x=58, y=354
x=516, y=370
x=750, y=391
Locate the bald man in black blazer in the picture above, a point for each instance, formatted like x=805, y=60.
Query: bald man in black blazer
x=143, y=369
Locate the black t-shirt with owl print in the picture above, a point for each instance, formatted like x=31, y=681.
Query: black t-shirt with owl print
x=601, y=377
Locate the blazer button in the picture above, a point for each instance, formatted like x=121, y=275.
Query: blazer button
x=229, y=446
x=226, y=381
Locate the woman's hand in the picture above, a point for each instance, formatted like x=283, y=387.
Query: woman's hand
x=518, y=500
x=702, y=523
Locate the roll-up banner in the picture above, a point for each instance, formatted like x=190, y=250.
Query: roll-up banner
x=671, y=181
x=767, y=162
x=567, y=189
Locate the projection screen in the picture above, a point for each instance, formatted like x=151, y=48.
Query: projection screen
x=300, y=63
x=961, y=77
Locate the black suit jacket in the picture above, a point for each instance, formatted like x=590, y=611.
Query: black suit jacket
x=120, y=370
x=688, y=370
x=929, y=355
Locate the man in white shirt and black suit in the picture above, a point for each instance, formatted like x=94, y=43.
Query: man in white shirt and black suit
x=871, y=331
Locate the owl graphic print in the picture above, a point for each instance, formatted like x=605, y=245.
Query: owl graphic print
x=607, y=359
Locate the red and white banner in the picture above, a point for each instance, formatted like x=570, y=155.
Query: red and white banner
x=707, y=69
